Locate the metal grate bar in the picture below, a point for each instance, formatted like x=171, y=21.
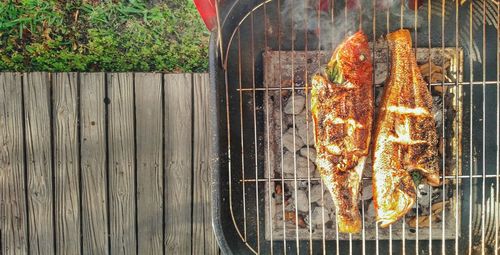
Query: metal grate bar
x=269, y=186
x=323, y=228
x=497, y=204
x=281, y=142
x=443, y=137
x=450, y=84
x=281, y=130
x=255, y=133
x=457, y=157
x=374, y=29
x=228, y=126
x=307, y=137
x=429, y=21
x=242, y=142
x=448, y=177
x=483, y=198
x=297, y=240
x=471, y=128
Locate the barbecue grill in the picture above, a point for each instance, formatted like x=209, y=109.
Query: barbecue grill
x=267, y=196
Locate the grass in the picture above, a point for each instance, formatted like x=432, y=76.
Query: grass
x=49, y=35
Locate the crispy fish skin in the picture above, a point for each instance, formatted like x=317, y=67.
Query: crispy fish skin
x=405, y=136
x=342, y=111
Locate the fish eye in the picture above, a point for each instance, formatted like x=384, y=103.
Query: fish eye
x=362, y=57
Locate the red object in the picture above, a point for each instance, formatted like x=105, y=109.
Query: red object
x=352, y=4
x=411, y=4
x=206, y=8
x=323, y=5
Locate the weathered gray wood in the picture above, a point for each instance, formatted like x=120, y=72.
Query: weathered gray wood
x=66, y=165
x=149, y=137
x=203, y=238
x=13, y=221
x=93, y=164
x=39, y=156
x=183, y=234
x=121, y=163
x=178, y=153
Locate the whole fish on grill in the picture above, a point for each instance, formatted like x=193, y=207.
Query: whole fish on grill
x=405, y=141
x=342, y=111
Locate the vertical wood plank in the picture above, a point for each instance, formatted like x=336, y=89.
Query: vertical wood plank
x=203, y=238
x=178, y=162
x=93, y=164
x=66, y=165
x=121, y=163
x=149, y=137
x=13, y=221
x=39, y=156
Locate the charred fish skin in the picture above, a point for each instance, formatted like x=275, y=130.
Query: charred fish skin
x=342, y=112
x=405, y=136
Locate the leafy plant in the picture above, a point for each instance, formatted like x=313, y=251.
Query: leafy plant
x=53, y=35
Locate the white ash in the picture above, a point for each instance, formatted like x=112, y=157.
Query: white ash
x=288, y=166
x=301, y=123
x=277, y=116
x=306, y=134
x=327, y=201
x=302, y=201
x=295, y=104
x=291, y=205
x=301, y=185
x=305, y=167
x=316, y=192
x=288, y=140
x=424, y=196
x=317, y=216
x=370, y=212
x=278, y=212
x=332, y=217
x=366, y=192
x=437, y=110
x=308, y=153
x=302, y=166
x=282, y=120
x=287, y=120
x=380, y=73
x=438, y=116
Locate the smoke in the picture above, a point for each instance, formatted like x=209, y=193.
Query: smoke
x=331, y=21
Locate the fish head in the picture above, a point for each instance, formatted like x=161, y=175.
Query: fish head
x=351, y=63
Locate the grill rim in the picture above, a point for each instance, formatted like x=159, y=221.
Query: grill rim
x=214, y=164
x=217, y=67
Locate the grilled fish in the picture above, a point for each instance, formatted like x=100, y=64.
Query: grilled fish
x=342, y=110
x=405, y=141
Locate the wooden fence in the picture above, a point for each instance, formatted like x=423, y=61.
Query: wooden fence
x=104, y=163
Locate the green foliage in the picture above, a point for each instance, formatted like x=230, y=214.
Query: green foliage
x=49, y=35
x=417, y=177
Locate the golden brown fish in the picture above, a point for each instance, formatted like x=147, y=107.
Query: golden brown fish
x=405, y=135
x=342, y=110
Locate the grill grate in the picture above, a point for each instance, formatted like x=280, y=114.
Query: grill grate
x=313, y=28
x=271, y=78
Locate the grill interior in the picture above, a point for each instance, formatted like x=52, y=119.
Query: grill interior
x=264, y=56
x=315, y=206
